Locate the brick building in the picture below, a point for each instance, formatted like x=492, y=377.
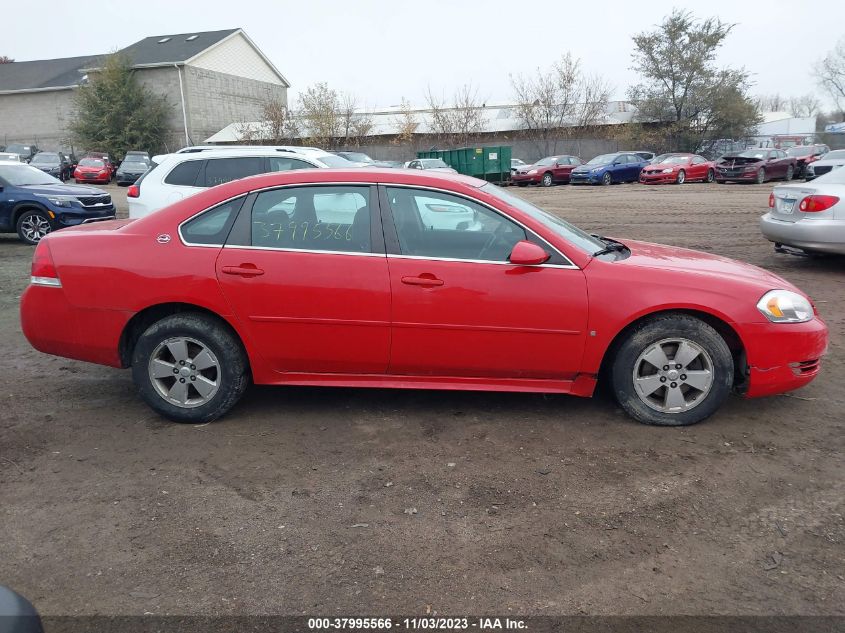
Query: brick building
x=209, y=79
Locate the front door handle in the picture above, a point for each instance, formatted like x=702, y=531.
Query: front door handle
x=425, y=280
x=244, y=270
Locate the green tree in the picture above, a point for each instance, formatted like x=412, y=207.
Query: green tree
x=683, y=89
x=116, y=113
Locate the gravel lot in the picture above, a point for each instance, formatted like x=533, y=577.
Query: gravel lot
x=340, y=501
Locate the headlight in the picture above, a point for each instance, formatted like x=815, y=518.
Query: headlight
x=785, y=306
x=61, y=201
x=751, y=168
x=668, y=170
x=532, y=172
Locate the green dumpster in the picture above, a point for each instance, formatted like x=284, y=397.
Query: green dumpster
x=487, y=163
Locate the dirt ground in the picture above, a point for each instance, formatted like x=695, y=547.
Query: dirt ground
x=340, y=501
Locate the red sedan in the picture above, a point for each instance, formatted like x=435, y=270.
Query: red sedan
x=350, y=278
x=678, y=169
x=92, y=170
x=546, y=171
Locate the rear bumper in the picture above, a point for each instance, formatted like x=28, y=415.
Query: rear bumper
x=53, y=326
x=783, y=357
x=824, y=236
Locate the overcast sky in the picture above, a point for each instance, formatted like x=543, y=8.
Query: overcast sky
x=385, y=50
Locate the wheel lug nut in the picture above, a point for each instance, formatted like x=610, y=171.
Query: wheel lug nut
x=181, y=380
x=663, y=379
x=181, y=362
x=665, y=367
x=678, y=366
x=193, y=366
x=175, y=371
x=673, y=385
x=193, y=378
x=683, y=376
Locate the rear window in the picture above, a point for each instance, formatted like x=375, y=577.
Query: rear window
x=222, y=170
x=185, y=174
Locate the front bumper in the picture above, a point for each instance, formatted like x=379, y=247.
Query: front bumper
x=750, y=176
x=74, y=216
x=525, y=178
x=588, y=179
x=824, y=236
x=783, y=356
x=658, y=179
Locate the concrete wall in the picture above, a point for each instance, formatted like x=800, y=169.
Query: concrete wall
x=36, y=117
x=214, y=100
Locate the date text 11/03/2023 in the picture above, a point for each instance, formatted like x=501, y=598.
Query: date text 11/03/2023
x=418, y=624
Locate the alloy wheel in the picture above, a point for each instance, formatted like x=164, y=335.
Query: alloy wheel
x=185, y=372
x=673, y=375
x=34, y=227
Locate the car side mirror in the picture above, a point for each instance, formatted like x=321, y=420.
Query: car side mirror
x=527, y=253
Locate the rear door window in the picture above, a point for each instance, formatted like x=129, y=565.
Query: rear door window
x=212, y=226
x=222, y=170
x=286, y=163
x=184, y=174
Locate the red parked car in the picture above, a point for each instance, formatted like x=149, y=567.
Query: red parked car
x=346, y=278
x=546, y=171
x=92, y=170
x=806, y=154
x=678, y=169
x=755, y=165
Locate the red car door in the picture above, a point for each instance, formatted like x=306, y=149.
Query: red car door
x=697, y=168
x=305, y=272
x=460, y=309
x=560, y=169
x=776, y=167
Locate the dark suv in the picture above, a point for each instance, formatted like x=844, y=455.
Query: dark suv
x=34, y=203
x=26, y=152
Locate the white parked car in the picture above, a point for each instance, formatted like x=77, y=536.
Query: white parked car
x=432, y=164
x=6, y=157
x=181, y=175
x=828, y=162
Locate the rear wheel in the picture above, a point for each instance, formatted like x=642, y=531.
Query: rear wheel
x=673, y=370
x=190, y=368
x=547, y=179
x=607, y=179
x=761, y=176
x=33, y=225
x=682, y=176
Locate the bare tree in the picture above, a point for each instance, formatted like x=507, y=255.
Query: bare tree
x=805, y=106
x=275, y=113
x=5, y=60
x=455, y=121
x=406, y=124
x=248, y=132
x=772, y=103
x=830, y=72
x=319, y=109
x=551, y=102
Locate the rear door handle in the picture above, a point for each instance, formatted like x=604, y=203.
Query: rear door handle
x=244, y=270
x=426, y=281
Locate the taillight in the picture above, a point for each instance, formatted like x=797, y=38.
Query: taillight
x=133, y=192
x=771, y=200
x=43, y=270
x=817, y=203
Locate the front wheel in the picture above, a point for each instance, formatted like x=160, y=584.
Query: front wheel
x=682, y=176
x=790, y=171
x=547, y=180
x=33, y=225
x=673, y=370
x=711, y=175
x=761, y=176
x=190, y=368
x=607, y=179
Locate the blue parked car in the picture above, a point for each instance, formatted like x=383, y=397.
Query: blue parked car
x=34, y=203
x=608, y=169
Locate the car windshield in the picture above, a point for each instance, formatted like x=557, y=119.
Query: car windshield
x=759, y=154
x=91, y=162
x=834, y=177
x=138, y=160
x=800, y=150
x=20, y=175
x=604, y=159
x=330, y=160
x=45, y=157
x=14, y=148
x=567, y=231
x=676, y=160
x=837, y=154
x=431, y=163
x=358, y=157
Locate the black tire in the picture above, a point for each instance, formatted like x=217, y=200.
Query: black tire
x=215, y=336
x=711, y=175
x=646, y=335
x=682, y=176
x=790, y=173
x=761, y=176
x=548, y=180
x=607, y=179
x=32, y=225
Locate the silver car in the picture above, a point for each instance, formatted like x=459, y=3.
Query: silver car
x=829, y=162
x=808, y=216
